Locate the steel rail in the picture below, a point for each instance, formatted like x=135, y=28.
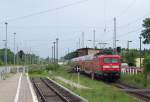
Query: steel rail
x=39, y=91
x=54, y=90
x=137, y=93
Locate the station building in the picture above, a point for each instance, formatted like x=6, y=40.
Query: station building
x=87, y=51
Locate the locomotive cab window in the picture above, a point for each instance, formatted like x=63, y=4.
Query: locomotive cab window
x=111, y=60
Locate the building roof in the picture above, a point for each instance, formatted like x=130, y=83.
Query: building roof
x=87, y=49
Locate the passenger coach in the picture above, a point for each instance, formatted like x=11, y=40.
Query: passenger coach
x=106, y=66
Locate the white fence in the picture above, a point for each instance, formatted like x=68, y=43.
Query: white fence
x=131, y=70
x=10, y=69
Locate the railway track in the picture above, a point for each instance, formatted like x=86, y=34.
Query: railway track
x=143, y=95
x=47, y=91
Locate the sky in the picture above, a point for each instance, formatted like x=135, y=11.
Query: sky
x=37, y=23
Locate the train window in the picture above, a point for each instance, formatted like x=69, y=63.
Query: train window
x=111, y=60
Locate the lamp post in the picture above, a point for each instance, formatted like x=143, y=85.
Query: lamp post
x=93, y=43
x=6, y=45
x=54, y=50
x=57, y=50
x=114, y=36
x=102, y=44
x=116, y=42
x=14, y=49
x=94, y=38
x=82, y=39
x=52, y=54
x=140, y=50
x=128, y=44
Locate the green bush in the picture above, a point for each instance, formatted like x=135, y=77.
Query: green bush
x=1, y=63
x=52, y=67
x=130, y=57
x=146, y=63
x=36, y=69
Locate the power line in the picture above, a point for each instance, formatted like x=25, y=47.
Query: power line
x=128, y=7
x=122, y=12
x=132, y=22
x=54, y=26
x=125, y=34
x=45, y=11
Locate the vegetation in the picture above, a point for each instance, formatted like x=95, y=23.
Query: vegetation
x=37, y=71
x=21, y=58
x=146, y=31
x=70, y=55
x=146, y=64
x=136, y=80
x=98, y=91
x=52, y=67
x=10, y=56
x=130, y=57
x=42, y=71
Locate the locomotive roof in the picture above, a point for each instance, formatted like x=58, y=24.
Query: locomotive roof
x=90, y=57
x=109, y=56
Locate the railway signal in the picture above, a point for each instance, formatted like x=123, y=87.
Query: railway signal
x=21, y=54
x=118, y=50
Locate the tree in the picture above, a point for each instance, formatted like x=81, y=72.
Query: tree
x=146, y=31
x=10, y=55
x=1, y=62
x=130, y=57
x=71, y=55
x=146, y=63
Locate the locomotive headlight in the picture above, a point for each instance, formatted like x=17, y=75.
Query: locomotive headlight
x=106, y=67
x=115, y=66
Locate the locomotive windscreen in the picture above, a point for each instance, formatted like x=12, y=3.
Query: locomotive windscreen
x=111, y=60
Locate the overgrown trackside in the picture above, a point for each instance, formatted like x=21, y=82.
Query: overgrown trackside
x=98, y=91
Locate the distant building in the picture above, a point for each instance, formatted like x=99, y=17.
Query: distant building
x=87, y=51
x=138, y=62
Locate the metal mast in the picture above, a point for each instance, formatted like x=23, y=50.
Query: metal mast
x=114, y=37
x=14, y=49
x=6, y=45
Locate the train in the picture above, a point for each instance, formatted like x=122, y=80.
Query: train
x=104, y=66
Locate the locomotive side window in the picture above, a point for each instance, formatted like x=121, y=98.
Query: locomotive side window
x=111, y=60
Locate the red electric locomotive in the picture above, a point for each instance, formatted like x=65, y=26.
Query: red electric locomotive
x=106, y=66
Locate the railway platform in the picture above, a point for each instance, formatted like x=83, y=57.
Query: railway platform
x=17, y=88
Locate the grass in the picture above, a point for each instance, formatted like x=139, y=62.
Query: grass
x=41, y=71
x=10, y=75
x=99, y=92
x=37, y=71
x=135, y=80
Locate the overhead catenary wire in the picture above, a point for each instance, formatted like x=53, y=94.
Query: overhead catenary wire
x=122, y=12
x=125, y=34
x=133, y=2
x=62, y=7
x=57, y=9
x=71, y=4
x=45, y=11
